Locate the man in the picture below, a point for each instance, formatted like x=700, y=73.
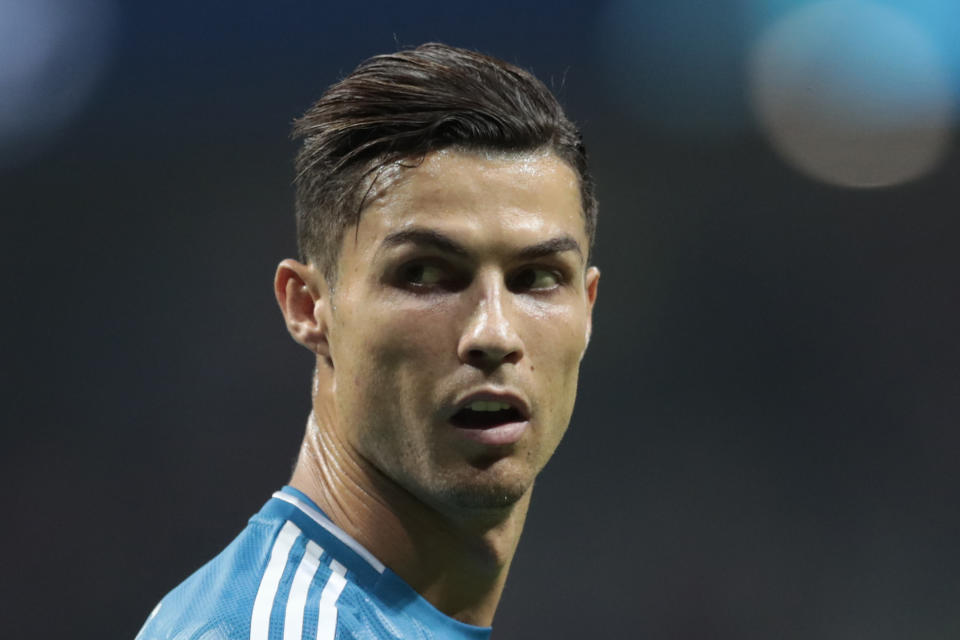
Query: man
x=445, y=217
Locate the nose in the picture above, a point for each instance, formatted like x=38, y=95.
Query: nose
x=489, y=338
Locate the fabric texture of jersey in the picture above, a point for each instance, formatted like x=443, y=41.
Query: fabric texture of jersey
x=292, y=574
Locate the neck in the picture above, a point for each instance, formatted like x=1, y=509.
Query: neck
x=457, y=560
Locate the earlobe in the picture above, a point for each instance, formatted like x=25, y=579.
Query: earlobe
x=302, y=295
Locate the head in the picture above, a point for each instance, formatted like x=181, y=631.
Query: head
x=445, y=219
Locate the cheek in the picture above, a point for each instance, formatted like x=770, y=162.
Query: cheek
x=390, y=347
x=414, y=334
x=555, y=335
x=556, y=345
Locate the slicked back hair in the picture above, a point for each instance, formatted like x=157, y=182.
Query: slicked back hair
x=404, y=105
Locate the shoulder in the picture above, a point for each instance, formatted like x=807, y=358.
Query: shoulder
x=293, y=574
x=215, y=602
x=272, y=581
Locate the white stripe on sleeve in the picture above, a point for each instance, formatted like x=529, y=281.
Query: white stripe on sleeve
x=293, y=621
x=327, y=622
x=263, y=604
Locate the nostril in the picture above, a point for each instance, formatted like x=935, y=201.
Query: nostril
x=491, y=358
x=480, y=358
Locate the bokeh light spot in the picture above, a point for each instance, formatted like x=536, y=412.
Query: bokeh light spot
x=852, y=93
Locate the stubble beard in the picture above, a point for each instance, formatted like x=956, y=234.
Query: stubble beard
x=482, y=486
x=483, y=498
x=485, y=490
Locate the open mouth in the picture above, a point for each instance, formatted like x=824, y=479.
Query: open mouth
x=486, y=415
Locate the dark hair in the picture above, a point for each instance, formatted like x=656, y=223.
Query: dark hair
x=404, y=105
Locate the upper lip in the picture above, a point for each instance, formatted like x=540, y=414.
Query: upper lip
x=514, y=399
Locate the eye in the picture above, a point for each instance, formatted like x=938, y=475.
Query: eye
x=422, y=274
x=535, y=279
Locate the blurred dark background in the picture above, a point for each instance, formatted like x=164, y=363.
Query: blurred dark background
x=766, y=439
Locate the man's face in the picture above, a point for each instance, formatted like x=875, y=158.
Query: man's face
x=457, y=324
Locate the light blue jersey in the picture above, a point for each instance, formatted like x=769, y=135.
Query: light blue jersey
x=292, y=574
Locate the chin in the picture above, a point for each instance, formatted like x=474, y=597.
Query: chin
x=483, y=497
x=487, y=490
x=491, y=484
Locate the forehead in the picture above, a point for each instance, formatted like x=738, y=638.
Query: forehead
x=477, y=192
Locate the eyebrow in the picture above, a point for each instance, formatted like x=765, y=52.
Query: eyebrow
x=551, y=246
x=446, y=244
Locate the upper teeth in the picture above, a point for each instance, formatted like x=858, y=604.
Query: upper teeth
x=487, y=405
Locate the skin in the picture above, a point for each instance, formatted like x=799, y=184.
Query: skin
x=435, y=298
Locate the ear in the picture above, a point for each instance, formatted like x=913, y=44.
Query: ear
x=303, y=297
x=591, y=282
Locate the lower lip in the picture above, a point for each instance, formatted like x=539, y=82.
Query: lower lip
x=497, y=436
